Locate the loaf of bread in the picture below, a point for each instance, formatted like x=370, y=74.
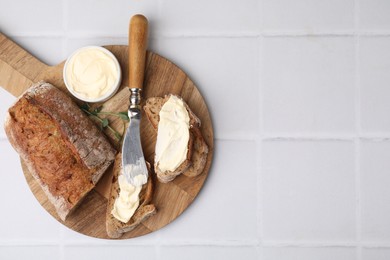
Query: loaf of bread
x=64, y=151
x=116, y=228
x=197, y=147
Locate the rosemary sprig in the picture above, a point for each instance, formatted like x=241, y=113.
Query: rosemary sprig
x=104, y=123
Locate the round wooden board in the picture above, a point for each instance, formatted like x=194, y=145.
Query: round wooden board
x=171, y=199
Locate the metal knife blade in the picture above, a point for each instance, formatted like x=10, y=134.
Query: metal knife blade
x=133, y=161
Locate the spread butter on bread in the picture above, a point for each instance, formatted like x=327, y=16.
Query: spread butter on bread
x=144, y=209
x=63, y=149
x=196, y=147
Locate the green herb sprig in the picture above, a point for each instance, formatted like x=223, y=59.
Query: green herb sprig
x=104, y=123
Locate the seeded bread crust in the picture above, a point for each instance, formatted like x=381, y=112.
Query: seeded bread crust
x=197, y=147
x=116, y=228
x=63, y=150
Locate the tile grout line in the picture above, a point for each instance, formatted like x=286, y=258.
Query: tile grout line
x=385, y=245
x=159, y=35
x=259, y=136
x=221, y=243
x=358, y=130
x=297, y=243
x=259, y=209
x=314, y=137
x=28, y=243
x=309, y=244
x=198, y=242
x=358, y=199
x=318, y=138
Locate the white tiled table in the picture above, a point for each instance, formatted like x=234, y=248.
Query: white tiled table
x=299, y=93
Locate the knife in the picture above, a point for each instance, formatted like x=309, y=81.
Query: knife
x=133, y=161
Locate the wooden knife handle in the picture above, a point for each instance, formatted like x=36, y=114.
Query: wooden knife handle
x=138, y=41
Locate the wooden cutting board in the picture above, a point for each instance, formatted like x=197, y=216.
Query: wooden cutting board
x=19, y=70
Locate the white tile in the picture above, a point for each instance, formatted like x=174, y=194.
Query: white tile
x=225, y=209
x=108, y=252
x=6, y=100
x=29, y=252
x=75, y=43
x=208, y=252
x=209, y=16
x=46, y=49
x=308, y=84
x=306, y=253
x=308, y=15
x=225, y=71
x=375, y=254
x=308, y=191
x=374, y=14
x=375, y=193
x=18, y=16
x=22, y=217
x=374, y=83
x=105, y=17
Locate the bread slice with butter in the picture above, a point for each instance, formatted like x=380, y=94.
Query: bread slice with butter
x=197, y=148
x=116, y=228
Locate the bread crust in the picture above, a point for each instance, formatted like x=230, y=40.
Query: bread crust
x=197, y=147
x=116, y=228
x=85, y=143
x=199, y=154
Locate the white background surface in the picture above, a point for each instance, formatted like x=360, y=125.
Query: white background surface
x=299, y=93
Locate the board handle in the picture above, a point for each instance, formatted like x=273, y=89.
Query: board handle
x=138, y=40
x=18, y=68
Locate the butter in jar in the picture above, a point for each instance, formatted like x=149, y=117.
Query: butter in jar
x=92, y=74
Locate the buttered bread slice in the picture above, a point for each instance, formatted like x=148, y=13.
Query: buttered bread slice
x=127, y=205
x=180, y=147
